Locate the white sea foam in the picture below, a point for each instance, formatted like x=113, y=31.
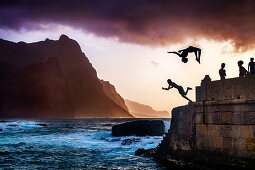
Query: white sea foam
x=88, y=139
x=88, y=143
x=18, y=125
x=167, y=126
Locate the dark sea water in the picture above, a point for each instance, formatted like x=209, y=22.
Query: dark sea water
x=72, y=144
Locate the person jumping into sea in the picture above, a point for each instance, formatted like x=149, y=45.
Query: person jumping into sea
x=179, y=88
x=184, y=53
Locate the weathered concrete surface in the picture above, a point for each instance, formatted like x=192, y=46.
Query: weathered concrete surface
x=182, y=126
x=225, y=118
x=228, y=89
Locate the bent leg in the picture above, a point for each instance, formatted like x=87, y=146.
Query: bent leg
x=181, y=91
x=198, y=54
x=187, y=98
x=187, y=90
x=183, y=94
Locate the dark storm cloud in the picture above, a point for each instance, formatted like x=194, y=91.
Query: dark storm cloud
x=149, y=22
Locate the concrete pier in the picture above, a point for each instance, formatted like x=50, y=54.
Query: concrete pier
x=221, y=123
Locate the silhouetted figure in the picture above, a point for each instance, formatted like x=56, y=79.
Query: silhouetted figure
x=251, y=66
x=242, y=70
x=179, y=88
x=222, y=71
x=184, y=53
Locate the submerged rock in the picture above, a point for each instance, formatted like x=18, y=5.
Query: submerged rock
x=41, y=124
x=3, y=121
x=110, y=139
x=139, y=128
x=13, y=125
x=129, y=141
x=146, y=152
x=4, y=153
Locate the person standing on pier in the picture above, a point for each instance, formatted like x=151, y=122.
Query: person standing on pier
x=251, y=67
x=222, y=71
x=242, y=71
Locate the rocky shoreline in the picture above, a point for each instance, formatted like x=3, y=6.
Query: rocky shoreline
x=195, y=160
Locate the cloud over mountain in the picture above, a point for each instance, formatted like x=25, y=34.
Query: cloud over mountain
x=148, y=22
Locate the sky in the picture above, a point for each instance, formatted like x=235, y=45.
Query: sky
x=127, y=41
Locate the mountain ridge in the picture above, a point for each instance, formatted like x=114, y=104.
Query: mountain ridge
x=51, y=79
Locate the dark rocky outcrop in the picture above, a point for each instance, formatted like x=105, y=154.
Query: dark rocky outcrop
x=146, y=152
x=51, y=79
x=139, y=128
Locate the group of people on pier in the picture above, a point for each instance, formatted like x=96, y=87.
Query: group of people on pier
x=242, y=71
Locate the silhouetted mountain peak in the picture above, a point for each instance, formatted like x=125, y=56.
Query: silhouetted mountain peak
x=66, y=42
x=22, y=42
x=52, y=78
x=63, y=37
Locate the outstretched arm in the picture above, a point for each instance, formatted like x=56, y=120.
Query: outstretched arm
x=175, y=53
x=169, y=87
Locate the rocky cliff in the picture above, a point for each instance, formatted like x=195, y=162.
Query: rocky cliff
x=51, y=79
x=144, y=111
x=111, y=92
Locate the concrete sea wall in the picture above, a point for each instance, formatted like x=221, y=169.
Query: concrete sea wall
x=221, y=121
x=225, y=116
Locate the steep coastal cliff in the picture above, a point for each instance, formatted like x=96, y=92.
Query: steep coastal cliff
x=51, y=79
x=111, y=92
x=216, y=131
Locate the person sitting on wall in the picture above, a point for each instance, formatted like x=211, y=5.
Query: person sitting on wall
x=179, y=88
x=222, y=71
x=184, y=53
x=251, y=67
x=242, y=71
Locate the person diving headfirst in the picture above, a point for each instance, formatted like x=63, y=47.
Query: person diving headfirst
x=180, y=89
x=184, y=53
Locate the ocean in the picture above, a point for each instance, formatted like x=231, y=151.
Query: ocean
x=72, y=144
